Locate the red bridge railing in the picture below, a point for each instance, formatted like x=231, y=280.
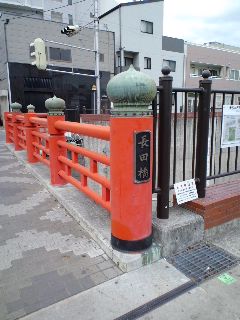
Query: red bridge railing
x=44, y=140
x=128, y=193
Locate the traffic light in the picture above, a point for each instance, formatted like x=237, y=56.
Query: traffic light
x=71, y=30
x=39, y=52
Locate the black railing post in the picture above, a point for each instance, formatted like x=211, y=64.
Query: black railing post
x=202, y=133
x=164, y=143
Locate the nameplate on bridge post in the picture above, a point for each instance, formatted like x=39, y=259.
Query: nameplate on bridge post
x=230, y=126
x=185, y=191
x=142, y=152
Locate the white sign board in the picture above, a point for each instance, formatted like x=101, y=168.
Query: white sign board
x=230, y=126
x=185, y=191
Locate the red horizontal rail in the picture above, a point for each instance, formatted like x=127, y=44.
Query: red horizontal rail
x=42, y=115
x=10, y=124
x=84, y=152
x=40, y=158
x=94, y=196
x=9, y=115
x=91, y=130
x=22, y=145
x=41, y=121
x=86, y=172
x=22, y=137
x=20, y=117
x=41, y=147
x=42, y=135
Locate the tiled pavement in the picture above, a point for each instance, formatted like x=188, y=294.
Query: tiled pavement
x=45, y=256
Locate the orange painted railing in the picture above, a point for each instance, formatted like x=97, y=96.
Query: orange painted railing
x=44, y=140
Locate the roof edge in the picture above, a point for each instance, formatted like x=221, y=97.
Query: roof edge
x=126, y=5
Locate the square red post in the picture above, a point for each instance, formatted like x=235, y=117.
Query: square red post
x=29, y=128
x=55, y=108
x=15, y=131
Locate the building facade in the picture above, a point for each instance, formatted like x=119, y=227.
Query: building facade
x=224, y=64
x=138, y=28
x=22, y=82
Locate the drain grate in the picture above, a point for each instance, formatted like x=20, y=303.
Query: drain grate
x=203, y=261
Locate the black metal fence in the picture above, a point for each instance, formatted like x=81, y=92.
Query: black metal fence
x=187, y=137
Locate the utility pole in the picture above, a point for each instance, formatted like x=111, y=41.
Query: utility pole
x=96, y=44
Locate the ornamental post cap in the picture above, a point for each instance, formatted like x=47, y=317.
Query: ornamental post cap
x=206, y=74
x=55, y=106
x=166, y=70
x=16, y=107
x=131, y=92
x=31, y=108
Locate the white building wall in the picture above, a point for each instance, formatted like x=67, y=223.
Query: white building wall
x=145, y=44
x=53, y=5
x=178, y=75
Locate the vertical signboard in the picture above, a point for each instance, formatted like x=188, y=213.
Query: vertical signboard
x=230, y=126
x=142, y=152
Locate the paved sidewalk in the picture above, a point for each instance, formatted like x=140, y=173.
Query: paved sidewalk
x=45, y=256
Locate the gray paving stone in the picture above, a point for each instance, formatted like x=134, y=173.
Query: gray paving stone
x=45, y=256
x=98, y=277
x=15, y=306
x=111, y=273
x=15, y=315
x=105, y=264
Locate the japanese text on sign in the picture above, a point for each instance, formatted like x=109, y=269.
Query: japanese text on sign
x=230, y=126
x=142, y=147
x=185, y=191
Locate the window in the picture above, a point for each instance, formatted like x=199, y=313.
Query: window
x=234, y=75
x=171, y=64
x=146, y=26
x=147, y=63
x=69, y=2
x=101, y=57
x=70, y=19
x=128, y=61
x=56, y=16
x=60, y=54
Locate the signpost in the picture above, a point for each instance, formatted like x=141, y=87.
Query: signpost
x=230, y=126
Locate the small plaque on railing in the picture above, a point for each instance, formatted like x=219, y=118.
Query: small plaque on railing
x=185, y=191
x=142, y=152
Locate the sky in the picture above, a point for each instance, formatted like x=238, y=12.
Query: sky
x=203, y=21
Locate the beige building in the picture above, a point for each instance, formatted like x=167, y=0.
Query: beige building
x=224, y=64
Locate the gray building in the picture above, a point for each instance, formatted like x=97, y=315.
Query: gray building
x=22, y=82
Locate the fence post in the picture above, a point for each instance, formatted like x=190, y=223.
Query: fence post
x=202, y=133
x=131, y=127
x=55, y=108
x=164, y=143
x=16, y=109
x=29, y=128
